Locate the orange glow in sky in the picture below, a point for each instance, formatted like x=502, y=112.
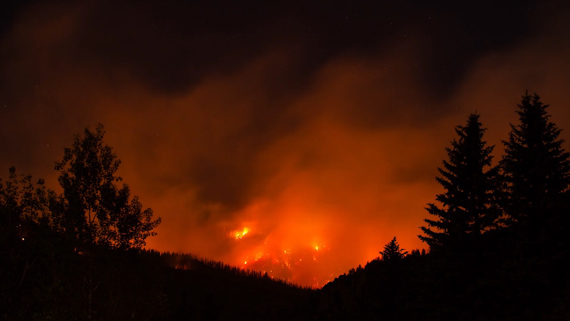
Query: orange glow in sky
x=266, y=160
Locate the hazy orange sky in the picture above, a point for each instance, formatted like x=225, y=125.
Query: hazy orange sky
x=309, y=125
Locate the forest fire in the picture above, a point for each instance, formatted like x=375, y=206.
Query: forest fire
x=290, y=139
x=296, y=264
x=298, y=154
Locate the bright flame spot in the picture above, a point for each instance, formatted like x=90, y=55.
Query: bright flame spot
x=240, y=234
x=316, y=248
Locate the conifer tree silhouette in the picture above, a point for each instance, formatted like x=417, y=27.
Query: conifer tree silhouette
x=535, y=167
x=469, y=206
x=392, y=251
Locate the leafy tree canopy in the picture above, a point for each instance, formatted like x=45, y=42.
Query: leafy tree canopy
x=94, y=209
x=21, y=202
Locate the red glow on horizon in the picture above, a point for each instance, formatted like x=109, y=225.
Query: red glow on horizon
x=303, y=183
x=295, y=263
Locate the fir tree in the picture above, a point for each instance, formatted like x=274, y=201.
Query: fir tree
x=535, y=167
x=392, y=251
x=468, y=204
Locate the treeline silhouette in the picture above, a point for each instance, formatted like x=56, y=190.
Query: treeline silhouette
x=78, y=255
x=187, y=261
x=497, y=236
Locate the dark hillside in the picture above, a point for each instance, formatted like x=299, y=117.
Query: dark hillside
x=209, y=290
x=107, y=284
x=510, y=275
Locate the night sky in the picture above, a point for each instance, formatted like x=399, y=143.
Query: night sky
x=315, y=127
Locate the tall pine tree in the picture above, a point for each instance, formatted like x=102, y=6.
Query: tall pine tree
x=535, y=167
x=468, y=204
x=392, y=251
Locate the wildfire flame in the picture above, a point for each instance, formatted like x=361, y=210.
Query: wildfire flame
x=283, y=262
x=239, y=234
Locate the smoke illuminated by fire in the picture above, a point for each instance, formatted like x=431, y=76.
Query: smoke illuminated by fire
x=264, y=152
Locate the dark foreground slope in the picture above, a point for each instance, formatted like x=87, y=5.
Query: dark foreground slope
x=45, y=281
x=208, y=290
x=510, y=275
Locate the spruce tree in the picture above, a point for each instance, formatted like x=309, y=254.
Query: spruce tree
x=535, y=167
x=393, y=252
x=468, y=203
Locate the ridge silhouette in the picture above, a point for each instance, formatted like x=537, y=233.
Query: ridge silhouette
x=497, y=237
